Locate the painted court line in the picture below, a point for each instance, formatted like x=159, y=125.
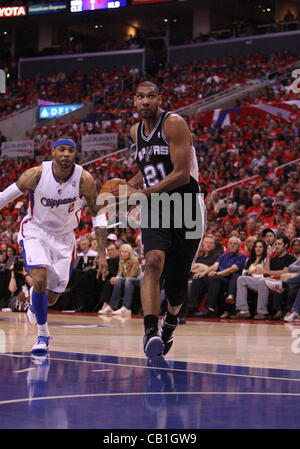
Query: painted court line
x=164, y=369
x=168, y=393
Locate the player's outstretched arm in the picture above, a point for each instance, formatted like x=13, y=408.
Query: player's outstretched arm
x=88, y=189
x=28, y=180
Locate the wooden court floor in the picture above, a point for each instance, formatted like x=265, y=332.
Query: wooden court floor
x=219, y=374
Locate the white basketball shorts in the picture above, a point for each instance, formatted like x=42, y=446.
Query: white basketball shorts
x=54, y=252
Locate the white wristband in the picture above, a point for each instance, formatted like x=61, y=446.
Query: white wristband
x=100, y=221
x=10, y=194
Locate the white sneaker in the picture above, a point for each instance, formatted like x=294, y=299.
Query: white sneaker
x=106, y=309
x=274, y=285
x=31, y=318
x=294, y=316
x=41, y=345
x=122, y=311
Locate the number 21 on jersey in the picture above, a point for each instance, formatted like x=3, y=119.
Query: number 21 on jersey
x=154, y=174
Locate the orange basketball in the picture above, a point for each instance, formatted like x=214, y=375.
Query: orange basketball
x=112, y=186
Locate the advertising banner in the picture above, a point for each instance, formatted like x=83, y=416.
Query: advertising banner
x=99, y=142
x=47, y=8
x=18, y=148
x=12, y=11
x=47, y=112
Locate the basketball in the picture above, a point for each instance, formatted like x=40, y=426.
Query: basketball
x=112, y=186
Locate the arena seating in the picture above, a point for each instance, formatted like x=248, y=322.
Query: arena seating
x=225, y=152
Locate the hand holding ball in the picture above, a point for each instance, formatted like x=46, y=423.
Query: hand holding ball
x=112, y=186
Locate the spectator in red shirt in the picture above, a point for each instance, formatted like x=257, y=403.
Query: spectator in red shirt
x=231, y=215
x=256, y=207
x=86, y=215
x=267, y=215
x=251, y=225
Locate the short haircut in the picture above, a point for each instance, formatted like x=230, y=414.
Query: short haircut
x=265, y=232
x=236, y=238
x=210, y=236
x=284, y=238
x=148, y=84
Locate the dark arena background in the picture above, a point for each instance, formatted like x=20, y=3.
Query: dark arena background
x=231, y=69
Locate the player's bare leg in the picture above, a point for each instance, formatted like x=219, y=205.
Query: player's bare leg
x=150, y=299
x=52, y=297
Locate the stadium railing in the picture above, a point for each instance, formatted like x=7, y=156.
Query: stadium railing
x=85, y=62
x=239, y=46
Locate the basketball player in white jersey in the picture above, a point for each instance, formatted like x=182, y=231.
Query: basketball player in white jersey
x=167, y=162
x=46, y=232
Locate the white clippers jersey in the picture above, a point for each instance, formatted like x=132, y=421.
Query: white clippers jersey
x=55, y=207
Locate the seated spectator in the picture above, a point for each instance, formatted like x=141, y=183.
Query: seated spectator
x=129, y=267
x=290, y=232
x=84, y=249
x=19, y=285
x=247, y=248
x=259, y=160
x=274, y=266
x=277, y=266
x=218, y=203
x=292, y=287
x=269, y=236
x=220, y=274
x=295, y=247
x=250, y=225
x=106, y=286
x=228, y=229
x=266, y=216
x=241, y=218
x=231, y=215
x=256, y=207
x=248, y=279
x=207, y=256
x=83, y=280
x=289, y=284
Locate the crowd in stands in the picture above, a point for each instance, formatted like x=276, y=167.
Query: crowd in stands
x=113, y=94
x=181, y=85
x=264, y=210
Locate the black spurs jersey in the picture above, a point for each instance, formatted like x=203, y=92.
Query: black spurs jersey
x=153, y=157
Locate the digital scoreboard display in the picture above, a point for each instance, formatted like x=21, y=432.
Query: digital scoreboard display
x=92, y=5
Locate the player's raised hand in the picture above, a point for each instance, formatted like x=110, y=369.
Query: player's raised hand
x=102, y=266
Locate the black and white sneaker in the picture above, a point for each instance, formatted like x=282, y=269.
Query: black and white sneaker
x=153, y=344
x=167, y=333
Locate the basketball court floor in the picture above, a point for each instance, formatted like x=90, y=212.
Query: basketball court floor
x=219, y=374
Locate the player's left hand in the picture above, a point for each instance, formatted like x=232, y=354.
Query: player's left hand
x=102, y=266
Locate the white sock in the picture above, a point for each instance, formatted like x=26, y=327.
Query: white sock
x=43, y=330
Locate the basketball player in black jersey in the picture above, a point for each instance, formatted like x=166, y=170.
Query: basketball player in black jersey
x=167, y=163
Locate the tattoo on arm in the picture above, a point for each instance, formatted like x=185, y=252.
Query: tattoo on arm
x=29, y=179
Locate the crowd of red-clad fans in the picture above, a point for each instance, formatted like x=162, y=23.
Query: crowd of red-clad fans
x=253, y=147
x=181, y=86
